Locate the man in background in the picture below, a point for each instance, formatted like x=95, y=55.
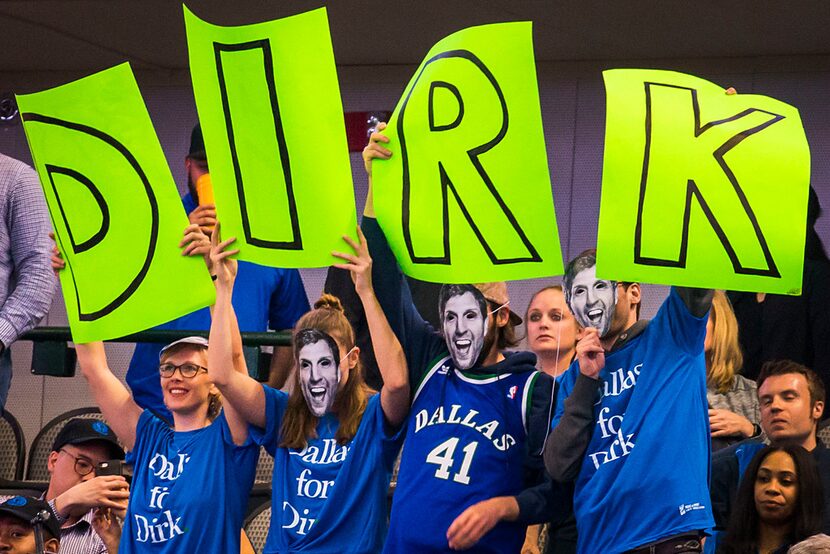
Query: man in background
x=26, y=280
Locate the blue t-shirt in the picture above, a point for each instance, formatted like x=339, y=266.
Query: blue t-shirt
x=263, y=298
x=646, y=471
x=190, y=489
x=329, y=497
x=466, y=443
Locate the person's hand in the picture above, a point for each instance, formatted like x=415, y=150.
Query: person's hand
x=374, y=149
x=730, y=91
x=474, y=522
x=590, y=353
x=223, y=267
x=359, y=265
x=105, y=491
x=107, y=525
x=196, y=243
x=724, y=423
x=58, y=263
x=204, y=216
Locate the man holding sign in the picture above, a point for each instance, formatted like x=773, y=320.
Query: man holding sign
x=26, y=280
x=479, y=414
x=639, y=454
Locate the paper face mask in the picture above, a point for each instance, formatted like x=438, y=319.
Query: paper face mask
x=591, y=300
x=318, y=361
x=463, y=312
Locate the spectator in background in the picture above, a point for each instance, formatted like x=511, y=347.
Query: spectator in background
x=779, y=503
x=87, y=506
x=791, y=399
x=264, y=297
x=551, y=330
x=782, y=327
x=733, y=399
x=26, y=280
x=17, y=533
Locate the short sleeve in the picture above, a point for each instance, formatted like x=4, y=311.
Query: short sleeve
x=391, y=438
x=288, y=300
x=276, y=402
x=146, y=431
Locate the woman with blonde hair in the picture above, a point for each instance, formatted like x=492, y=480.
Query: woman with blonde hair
x=733, y=399
x=334, y=442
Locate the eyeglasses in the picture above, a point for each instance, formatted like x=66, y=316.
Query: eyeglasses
x=82, y=465
x=188, y=370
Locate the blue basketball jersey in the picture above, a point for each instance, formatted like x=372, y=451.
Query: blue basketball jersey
x=466, y=442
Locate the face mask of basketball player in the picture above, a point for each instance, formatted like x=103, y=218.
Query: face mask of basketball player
x=464, y=324
x=592, y=300
x=318, y=363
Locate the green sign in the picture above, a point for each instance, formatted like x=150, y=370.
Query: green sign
x=466, y=196
x=701, y=188
x=115, y=209
x=271, y=115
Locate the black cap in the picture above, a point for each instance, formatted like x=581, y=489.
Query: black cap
x=27, y=509
x=81, y=430
x=197, y=144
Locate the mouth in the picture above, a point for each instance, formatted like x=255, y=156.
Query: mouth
x=595, y=315
x=317, y=393
x=463, y=345
x=771, y=505
x=177, y=391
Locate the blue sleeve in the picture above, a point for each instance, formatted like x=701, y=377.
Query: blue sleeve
x=188, y=203
x=391, y=437
x=685, y=331
x=276, y=402
x=288, y=301
x=420, y=343
x=146, y=431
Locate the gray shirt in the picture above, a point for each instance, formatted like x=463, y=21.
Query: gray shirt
x=26, y=280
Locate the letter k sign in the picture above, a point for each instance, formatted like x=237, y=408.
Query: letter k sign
x=701, y=188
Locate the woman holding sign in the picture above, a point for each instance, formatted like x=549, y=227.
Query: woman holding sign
x=333, y=442
x=190, y=483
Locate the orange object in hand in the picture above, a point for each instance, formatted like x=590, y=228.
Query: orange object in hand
x=204, y=190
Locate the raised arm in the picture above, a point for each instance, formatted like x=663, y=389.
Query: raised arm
x=394, y=396
x=419, y=342
x=697, y=301
x=115, y=401
x=244, y=397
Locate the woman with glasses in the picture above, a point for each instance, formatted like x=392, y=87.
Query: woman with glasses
x=334, y=442
x=190, y=483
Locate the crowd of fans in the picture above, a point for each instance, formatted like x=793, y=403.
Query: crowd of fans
x=694, y=431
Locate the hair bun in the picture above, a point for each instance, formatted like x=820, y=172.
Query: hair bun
x=328, y=302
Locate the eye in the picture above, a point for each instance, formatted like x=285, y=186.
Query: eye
x=305, y=364
x=83, y=466
x=470, y=315
x=449, y=317
x=600, y=285
x=534, y=316
x=325, y=362
x=556, y=316
x=578, y=291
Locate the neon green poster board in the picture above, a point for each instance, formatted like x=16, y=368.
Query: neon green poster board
x=114, y=206
x=275, y=137
x=466, y=195
x=701, y=188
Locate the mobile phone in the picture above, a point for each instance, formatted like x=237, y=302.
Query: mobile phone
x=115, y=467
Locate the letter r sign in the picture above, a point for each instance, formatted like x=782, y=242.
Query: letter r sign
x=701, y=188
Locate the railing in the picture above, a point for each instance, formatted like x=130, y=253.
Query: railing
x=52, y=355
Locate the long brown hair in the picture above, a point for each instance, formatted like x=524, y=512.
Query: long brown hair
x=299, y=424
x=724, y=358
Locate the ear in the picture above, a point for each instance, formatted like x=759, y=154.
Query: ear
x=818, y=409
x=52, y=545
x=354, y=357
x=502, y=317
x=634, y=293
x=51, y=461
